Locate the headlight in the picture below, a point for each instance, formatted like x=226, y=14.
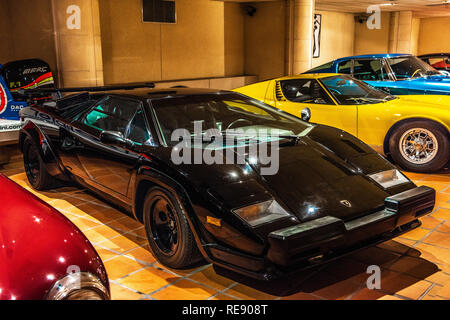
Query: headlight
x=261, y=213
x=390, y=178
x=78, y=286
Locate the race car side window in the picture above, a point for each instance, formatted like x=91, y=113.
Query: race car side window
x=112, y=114
x=305, y=91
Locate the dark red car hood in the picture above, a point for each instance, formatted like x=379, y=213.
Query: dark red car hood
x=37, y=245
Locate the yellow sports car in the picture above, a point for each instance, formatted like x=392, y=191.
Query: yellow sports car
x=414, y=130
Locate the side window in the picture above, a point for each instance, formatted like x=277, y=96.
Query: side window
x=138, y=131
x=345, y=67
x=369, y=70
x=305, y=91
x=111, y=114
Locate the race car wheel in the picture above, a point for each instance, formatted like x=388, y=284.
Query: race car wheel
x=168, y=231
x=420, y=146
x=35, y=168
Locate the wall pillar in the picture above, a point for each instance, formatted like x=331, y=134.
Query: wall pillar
x=401, y=38
x=78, y=45
x=300, y=36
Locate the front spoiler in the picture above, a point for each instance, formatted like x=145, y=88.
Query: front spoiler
x=325, y=239
x=318, y=238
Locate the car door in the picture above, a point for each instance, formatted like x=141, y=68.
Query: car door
x=296, y=95
x=107, y=167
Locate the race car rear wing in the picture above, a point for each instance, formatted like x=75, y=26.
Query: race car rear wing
x=69, y=105
x=57, y=92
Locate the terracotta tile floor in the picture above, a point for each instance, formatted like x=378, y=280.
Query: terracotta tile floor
x=414, y=266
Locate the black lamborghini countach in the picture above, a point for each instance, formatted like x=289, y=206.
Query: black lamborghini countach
x=328, y=193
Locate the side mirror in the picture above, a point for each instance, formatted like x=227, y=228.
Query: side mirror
x=113, y=138
x=306, y=114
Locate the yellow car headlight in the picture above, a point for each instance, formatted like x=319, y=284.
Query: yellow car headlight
x=390, y=178
x=261, y=213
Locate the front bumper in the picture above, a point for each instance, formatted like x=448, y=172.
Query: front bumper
x=325, y=239
x=317, y=239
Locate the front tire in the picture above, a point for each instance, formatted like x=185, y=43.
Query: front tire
x=420, y=146
x=35, y=169
x=168, y=231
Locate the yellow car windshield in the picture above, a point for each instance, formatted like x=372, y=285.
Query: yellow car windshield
x=350, y=91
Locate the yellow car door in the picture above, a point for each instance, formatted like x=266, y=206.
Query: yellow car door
x=300, y=94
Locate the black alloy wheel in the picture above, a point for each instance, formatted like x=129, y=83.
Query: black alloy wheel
x=168, y=231
x=35, y=168
x=164, y=225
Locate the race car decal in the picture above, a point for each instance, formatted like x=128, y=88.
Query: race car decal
x=45, y=79
x=8, y=125
x=3, y=99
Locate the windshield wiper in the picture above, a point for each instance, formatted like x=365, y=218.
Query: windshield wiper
x=389, y=98
x=359, y=100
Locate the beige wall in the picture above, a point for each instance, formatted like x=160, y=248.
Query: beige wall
x=79, y=51
x=372, y=41
x=234, y=39
x=415, y=36
x=7, y=49
x=197, y=46
x=131, y=49
x=433, y=35
x=337, y=36
x=26, y=31
x=194, y=47
x=265, y=40
x=211, y=39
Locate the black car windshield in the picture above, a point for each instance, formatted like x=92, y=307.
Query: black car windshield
x=408, y=67
x=350, y=91
x=227, y=114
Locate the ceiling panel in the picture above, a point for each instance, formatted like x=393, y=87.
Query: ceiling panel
x=421, y=8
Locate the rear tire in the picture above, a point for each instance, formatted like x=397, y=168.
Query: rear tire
x=35, y=169
x=420, y=146
x=168, y=231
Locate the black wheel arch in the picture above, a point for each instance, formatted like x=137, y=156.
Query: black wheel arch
x=401, y=122
x=148, y=178
x=48, y=156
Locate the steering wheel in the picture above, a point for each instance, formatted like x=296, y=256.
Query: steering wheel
x=415, y=72
x=236, y=121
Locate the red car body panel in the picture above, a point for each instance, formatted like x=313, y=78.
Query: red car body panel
x=441, y=65
x=38, y=245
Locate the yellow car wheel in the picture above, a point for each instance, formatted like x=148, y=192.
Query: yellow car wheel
x=420, y=145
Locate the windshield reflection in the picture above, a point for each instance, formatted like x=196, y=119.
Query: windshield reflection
x=350, y=91
x=411, y=67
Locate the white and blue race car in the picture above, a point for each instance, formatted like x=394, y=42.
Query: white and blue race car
x=15, y=77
